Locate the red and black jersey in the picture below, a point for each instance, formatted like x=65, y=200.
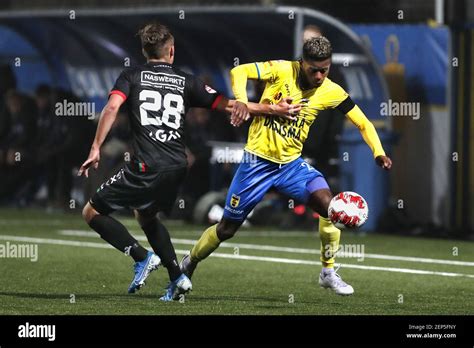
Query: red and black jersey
x=158, y=96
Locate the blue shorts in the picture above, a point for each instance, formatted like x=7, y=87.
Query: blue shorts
x=255, y=176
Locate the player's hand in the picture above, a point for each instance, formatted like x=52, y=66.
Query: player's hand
x=240, y=114
x=92, y=161
x=287, y=110
x=384, y=162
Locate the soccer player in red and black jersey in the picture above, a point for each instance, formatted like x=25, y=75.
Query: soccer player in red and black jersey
x=157, y=96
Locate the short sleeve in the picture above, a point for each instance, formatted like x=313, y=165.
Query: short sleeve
x=122, y=85
x=269, y=70
x=336, y=96
x=346, y=105
x=202, y=95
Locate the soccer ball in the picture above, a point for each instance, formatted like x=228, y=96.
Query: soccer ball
x=348, y=209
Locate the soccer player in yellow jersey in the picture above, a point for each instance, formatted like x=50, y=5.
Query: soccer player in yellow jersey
x=272, y=156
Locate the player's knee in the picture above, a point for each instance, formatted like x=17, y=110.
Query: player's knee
x=325, y=206
x=327, y=201
x=88, y=213
x=142, y=221
x=319, y=202
x=226, y=229
x=144, y=218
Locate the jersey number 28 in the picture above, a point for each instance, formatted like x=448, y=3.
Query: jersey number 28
x=173, y=106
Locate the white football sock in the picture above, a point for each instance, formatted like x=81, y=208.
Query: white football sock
x=328, y=270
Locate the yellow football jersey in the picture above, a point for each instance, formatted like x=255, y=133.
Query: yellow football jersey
x=274, y=138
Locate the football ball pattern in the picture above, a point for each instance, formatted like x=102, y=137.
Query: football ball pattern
x=348, y=209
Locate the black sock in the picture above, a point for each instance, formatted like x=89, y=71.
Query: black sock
x=117, y=235
x=159, y=239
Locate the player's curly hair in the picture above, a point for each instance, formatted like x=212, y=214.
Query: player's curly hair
x=155, y=37
x=317, y=48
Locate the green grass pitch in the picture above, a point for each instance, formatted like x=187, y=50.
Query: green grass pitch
x=260, y=271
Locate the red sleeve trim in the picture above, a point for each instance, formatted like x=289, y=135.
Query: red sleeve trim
x=120, y=93
x=216, y=101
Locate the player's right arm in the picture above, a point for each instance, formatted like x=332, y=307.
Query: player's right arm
x=262, y=71
x=117, y=97
x=241, y=108
x=107, y=119
x=284, y=109
x=239, y=76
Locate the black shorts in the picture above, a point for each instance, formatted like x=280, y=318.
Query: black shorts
x=130, y=188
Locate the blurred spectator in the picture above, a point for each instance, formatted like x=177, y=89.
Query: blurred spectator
x=311, y=31
x=197, y=136
x=18, y=138
x=204, y=125
x=219, y=126
x=51, y=144
x=7, y=82
x=40, y=148
x=17, y=143
x=72, y=147
x=322, y=142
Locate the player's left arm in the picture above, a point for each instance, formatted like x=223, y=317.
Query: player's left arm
x=338, y=98
x=262, y=71
x=368, y=132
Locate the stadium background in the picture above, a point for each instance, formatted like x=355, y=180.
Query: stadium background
x=414, y=53
x=418, y=52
